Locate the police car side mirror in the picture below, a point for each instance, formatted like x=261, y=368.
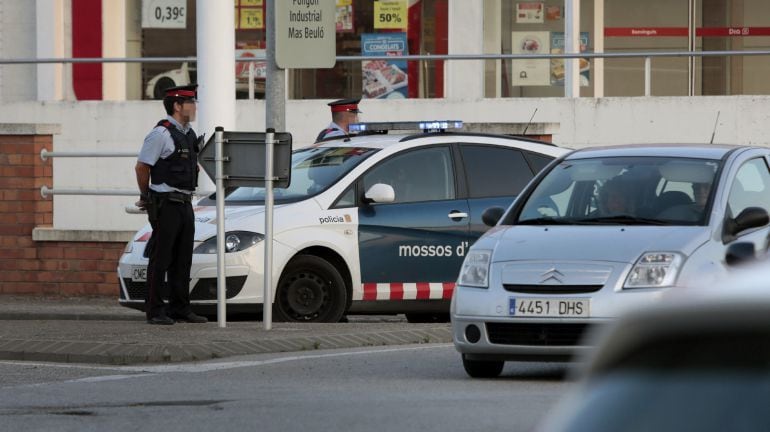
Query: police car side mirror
x=380, y=193
x=492, y=216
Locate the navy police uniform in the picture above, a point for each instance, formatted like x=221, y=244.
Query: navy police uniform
x=171, y=149
x=335, y=130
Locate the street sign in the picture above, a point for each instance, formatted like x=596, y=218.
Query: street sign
x=243, y=161
x=305, y=34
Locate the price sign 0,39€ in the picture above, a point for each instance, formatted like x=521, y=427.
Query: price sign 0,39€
x=164, y=14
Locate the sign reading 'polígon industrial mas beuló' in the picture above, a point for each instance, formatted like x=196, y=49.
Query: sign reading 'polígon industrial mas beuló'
x=305, y=33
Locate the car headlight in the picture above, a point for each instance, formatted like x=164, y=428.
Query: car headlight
x=235, y=241
x=654, y=269
x=475, y=270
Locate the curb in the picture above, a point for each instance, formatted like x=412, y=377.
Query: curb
x=131, y=354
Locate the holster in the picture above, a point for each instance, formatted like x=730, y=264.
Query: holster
x=154, y=204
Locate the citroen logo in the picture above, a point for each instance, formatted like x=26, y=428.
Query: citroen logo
x=551, y=275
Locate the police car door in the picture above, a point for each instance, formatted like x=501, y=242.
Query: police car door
x=413, y=247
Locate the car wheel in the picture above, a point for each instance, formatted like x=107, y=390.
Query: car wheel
x=483, y=369
x=160, y=87
x=310, y=290
x=421, y=318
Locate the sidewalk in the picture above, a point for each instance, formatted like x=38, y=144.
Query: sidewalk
x=98, y=330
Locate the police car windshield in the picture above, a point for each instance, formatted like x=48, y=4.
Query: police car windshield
x=313, y=170
x=624, y=191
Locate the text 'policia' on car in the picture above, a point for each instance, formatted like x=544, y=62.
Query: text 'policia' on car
x=371, y=223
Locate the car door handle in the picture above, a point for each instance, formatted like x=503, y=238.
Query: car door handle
x=457, y=215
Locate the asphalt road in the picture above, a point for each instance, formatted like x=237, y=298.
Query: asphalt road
x=417, y=387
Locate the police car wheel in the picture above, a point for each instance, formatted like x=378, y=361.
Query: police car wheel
x=310, y=290
x=482, y=369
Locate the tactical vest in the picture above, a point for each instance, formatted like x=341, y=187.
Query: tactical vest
x=180, y=169
x=325, y=132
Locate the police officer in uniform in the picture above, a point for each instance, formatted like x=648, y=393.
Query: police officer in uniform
x=344, y=112
x=167, y=174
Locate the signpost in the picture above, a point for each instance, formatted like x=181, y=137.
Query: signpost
x=243, y=159
x=305, y=34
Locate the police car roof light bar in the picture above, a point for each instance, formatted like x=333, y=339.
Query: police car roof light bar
x=425, y=126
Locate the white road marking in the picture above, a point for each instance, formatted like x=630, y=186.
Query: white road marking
x=148, y=370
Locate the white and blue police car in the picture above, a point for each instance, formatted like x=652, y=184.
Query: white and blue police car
x=371, y=223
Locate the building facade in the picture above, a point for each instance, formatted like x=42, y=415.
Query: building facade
x=111, y=106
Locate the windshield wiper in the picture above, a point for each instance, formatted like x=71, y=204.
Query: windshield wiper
x=622, y=220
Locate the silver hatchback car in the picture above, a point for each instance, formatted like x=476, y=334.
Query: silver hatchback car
x=597, y=232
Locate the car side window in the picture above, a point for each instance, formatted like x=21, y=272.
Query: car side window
x=419, y=175
x=751, y=187
x=495, y=171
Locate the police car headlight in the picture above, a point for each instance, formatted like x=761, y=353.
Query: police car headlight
x=235, y=241
x=475, y=270
x=653, y=270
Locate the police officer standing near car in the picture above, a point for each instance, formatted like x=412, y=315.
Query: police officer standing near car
x=167, y=174
x=344, y=112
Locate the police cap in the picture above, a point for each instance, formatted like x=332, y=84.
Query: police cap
x=350, y=105
x=183, y=92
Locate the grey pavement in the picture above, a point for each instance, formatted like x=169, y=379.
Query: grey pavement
x=98, y=330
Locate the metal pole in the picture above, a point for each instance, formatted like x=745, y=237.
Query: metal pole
x=275, y=85
x=267, y=292
x=251, y=80
x=220, y=193
x=648, y=76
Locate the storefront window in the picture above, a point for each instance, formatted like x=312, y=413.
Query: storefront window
x=631, y=26
x=532, y=27
x=366, y=27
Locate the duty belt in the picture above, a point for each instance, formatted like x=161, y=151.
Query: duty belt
x=174, y=196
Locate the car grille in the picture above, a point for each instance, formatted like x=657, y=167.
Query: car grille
x=552, y=289
x=537, y=334
x=205, y=289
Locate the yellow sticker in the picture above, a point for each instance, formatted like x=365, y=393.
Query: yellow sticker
x=252, y=3
x=390, y=14
x=252, y=19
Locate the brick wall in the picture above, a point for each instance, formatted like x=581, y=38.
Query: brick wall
x=65, y=268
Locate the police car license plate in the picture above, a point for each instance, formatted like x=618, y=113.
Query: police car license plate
x=139, y=274
x=550, y=307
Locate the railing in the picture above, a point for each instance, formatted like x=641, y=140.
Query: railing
x=647, y=56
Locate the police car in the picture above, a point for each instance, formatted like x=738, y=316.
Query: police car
x=371, y=223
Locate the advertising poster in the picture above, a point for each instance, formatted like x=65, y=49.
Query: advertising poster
x=535, y=72
x=390, y=14
x=557, y=65
x=529, y=13
x=344, y=16
x=382, y=78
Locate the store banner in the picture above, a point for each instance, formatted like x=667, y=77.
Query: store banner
x=535, y=72
x=167, y=14
x=557, y=65
x=383, y=78
x=390, y=14
x=344, y=16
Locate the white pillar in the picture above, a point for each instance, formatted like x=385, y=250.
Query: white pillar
x=216, y=70
x=597, y=73
x=465, y=78
x=114, y=39
x=572, y=45
x=50, y=43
